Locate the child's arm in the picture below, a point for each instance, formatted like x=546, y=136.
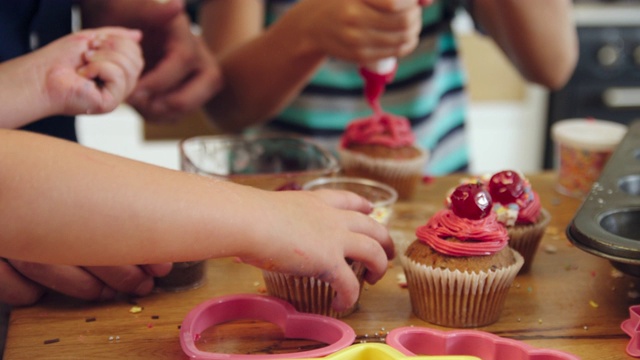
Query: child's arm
x=539, y=37
x=83, y=73
x=264, y=70
x=66, y=204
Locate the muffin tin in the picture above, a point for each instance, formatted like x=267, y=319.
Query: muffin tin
x=608, y=222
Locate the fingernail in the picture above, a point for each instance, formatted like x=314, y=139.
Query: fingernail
x=158, y=107
x=338, y=304
x=89, y=54
x=107, y=294
x=139, y=96
x=145, y=287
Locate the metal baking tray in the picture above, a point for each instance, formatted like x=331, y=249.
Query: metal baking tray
x=607, y=224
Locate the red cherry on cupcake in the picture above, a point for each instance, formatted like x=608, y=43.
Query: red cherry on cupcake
x=506, y=187
x=471, y=201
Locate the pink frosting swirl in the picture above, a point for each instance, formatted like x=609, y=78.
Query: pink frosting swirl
x=529, y=212
x=485, y=236
x=386, y=130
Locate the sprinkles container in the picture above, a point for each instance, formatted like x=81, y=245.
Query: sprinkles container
x=583, y=147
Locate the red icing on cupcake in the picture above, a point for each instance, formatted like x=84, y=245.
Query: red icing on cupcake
x=386, y=130
x=470, y=221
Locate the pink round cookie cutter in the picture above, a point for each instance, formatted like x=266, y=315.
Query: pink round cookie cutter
x=631, y=327
x=333, y=332
x=487, y=346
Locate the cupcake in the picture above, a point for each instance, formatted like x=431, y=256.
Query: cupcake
x=518, y=208
x=308, y=294
x=460, y=267
x=382, y=148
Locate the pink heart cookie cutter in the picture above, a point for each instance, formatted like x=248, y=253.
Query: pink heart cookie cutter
x=631, y=327
x=487, y=346
x=294, y=324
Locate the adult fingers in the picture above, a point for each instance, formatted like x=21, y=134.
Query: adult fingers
x=129, y=279
x=15, y=289
x=69, y=280
x=157, y=270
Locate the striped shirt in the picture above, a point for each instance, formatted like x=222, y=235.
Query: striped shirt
x=428, y=89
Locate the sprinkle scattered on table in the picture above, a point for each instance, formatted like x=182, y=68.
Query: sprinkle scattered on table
x=90, y=319
x=615, y=273
x=135, y=309
x=593, y=304
x=402, y=280
x=427, y=179
x=51, y=341
x=550, y=249
x=155, y=317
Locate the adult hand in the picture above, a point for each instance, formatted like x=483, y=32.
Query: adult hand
x=180, y=73
x=298, y=242
x=24, y=283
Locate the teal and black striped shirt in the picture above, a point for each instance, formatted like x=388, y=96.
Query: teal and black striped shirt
x=428, y=89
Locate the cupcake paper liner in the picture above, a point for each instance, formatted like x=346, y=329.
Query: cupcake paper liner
x=403, y=175
x=525, y=238
x=308, y=294
x=458, y=299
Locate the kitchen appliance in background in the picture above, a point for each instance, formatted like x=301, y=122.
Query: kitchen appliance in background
x=606, y=81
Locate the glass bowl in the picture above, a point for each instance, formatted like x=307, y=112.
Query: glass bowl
x=269, y=161
x=382, y=196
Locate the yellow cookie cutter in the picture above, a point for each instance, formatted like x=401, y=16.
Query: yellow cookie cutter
x=379, y=351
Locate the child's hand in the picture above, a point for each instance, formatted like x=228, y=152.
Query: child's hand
x=359, y=30
x=312, y=233
x=91, y=71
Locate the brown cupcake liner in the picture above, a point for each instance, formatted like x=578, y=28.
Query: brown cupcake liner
x=458, y=299
x=525, y=239
x=308, y=294
x=403, y=175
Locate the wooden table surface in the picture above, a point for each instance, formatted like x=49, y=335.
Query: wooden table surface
x=570, y=301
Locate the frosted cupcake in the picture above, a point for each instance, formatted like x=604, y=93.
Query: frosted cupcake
x=460, y=267
x=518, y=208
x=382, y=148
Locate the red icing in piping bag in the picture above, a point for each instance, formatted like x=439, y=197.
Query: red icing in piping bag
x=376, y=79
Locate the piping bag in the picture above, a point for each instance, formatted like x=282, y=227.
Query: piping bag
x=376, y=76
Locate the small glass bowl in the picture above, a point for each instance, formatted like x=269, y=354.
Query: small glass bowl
x=268, y=161
x=382, y=196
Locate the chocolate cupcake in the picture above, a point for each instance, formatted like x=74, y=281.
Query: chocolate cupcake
x=460, y=268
